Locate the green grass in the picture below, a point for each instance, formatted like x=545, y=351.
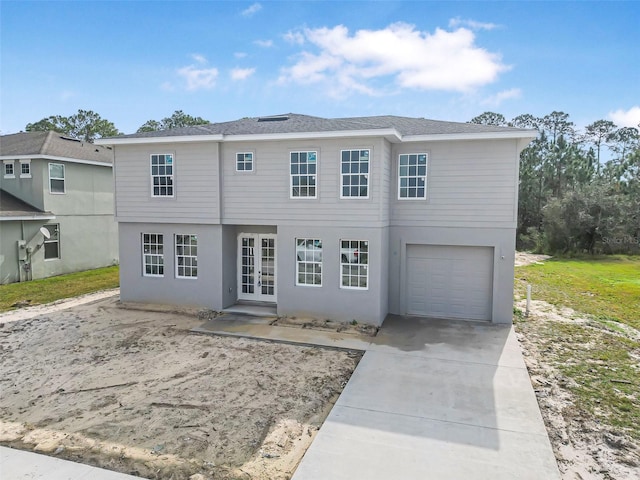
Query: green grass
x=598, y=358
x=607, y=288
x=55, y=288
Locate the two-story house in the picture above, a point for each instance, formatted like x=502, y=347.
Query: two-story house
x=348, y=218
x=56, y=206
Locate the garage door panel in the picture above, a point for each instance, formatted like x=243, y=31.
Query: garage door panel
x=449, y=282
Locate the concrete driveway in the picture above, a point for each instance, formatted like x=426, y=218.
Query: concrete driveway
x=435, y=399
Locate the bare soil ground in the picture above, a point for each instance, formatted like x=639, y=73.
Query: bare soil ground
x=135, y=392
x=586, y=448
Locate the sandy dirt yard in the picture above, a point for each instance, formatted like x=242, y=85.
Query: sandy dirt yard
x=585, y=447
x=134, y=391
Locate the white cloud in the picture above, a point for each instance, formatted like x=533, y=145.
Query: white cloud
x=626, y=118
x=294, y=37
x=253, y=9
x=240, y=54
x=264, y=43
x=199, y=58
x=199, y=78
x=413, y=59
x=472, y=24
x=242, y=73
x=497, y=99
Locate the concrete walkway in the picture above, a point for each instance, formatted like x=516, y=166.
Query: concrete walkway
x=435, y=399
x=21, y=465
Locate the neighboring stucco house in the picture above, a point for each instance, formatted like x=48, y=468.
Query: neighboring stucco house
x=348, y=218
x=61, y=185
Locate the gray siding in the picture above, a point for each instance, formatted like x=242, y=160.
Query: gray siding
x=469, y=184
x=262, y=196
x=196, y=183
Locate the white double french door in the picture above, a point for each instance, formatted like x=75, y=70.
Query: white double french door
x=257, y=267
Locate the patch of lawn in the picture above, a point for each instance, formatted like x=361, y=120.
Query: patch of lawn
x=601, y=371
x=607, y=288
x=55, y=288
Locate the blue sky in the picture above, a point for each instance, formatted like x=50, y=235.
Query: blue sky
x=139, y=60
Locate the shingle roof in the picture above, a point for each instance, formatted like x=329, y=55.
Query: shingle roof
x=296, y=123
x=53, y=144
x=11, y=206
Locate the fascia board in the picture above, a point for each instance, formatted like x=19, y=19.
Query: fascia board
x=35, y=216
x=55, y=159
x=148, y=140
x=523, y=134
x=389, y=133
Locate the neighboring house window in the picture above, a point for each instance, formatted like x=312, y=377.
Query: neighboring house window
x=355, y=173
x=354, y=263
x=52, y=244
x=186, y=256
x=309, y=261
x=244, y=162
x=56, y=178
x=304, y=168
x=8, y=169
x=162, y=175
x=25, y=168
x=412, y=176
x=152, y=255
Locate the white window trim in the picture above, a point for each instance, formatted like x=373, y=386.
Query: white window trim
x=64, y=179
x=173, y=175
x=298, y=284
x=175, y=251
x=426, y=178
x=291, y=196
x=25, y=162
x=144, y=270
x=47, y=240
x=359, y=264
x=4, y=169
x=253, y=162
x=368, y=175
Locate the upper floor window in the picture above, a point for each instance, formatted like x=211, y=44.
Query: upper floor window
x=354, y=264
x=244, y=162
x=9, y=169
x=25, y=168
x=52, y=244
x=152, y=254
x=162, y=175
x=355, y=173
x=412, y=176
x=56, y=178
x=309, y=261
x=187, y=256
x=304, y=170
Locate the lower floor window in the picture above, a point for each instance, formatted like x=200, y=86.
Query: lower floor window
x=153, y=254
x=187, y=256
x=354, y=263
x=52, y=244
x=309, y=261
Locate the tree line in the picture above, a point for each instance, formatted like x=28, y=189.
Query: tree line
x=87, y=125
x=579, y=191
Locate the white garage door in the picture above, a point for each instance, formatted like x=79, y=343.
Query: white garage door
x=449, y=282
